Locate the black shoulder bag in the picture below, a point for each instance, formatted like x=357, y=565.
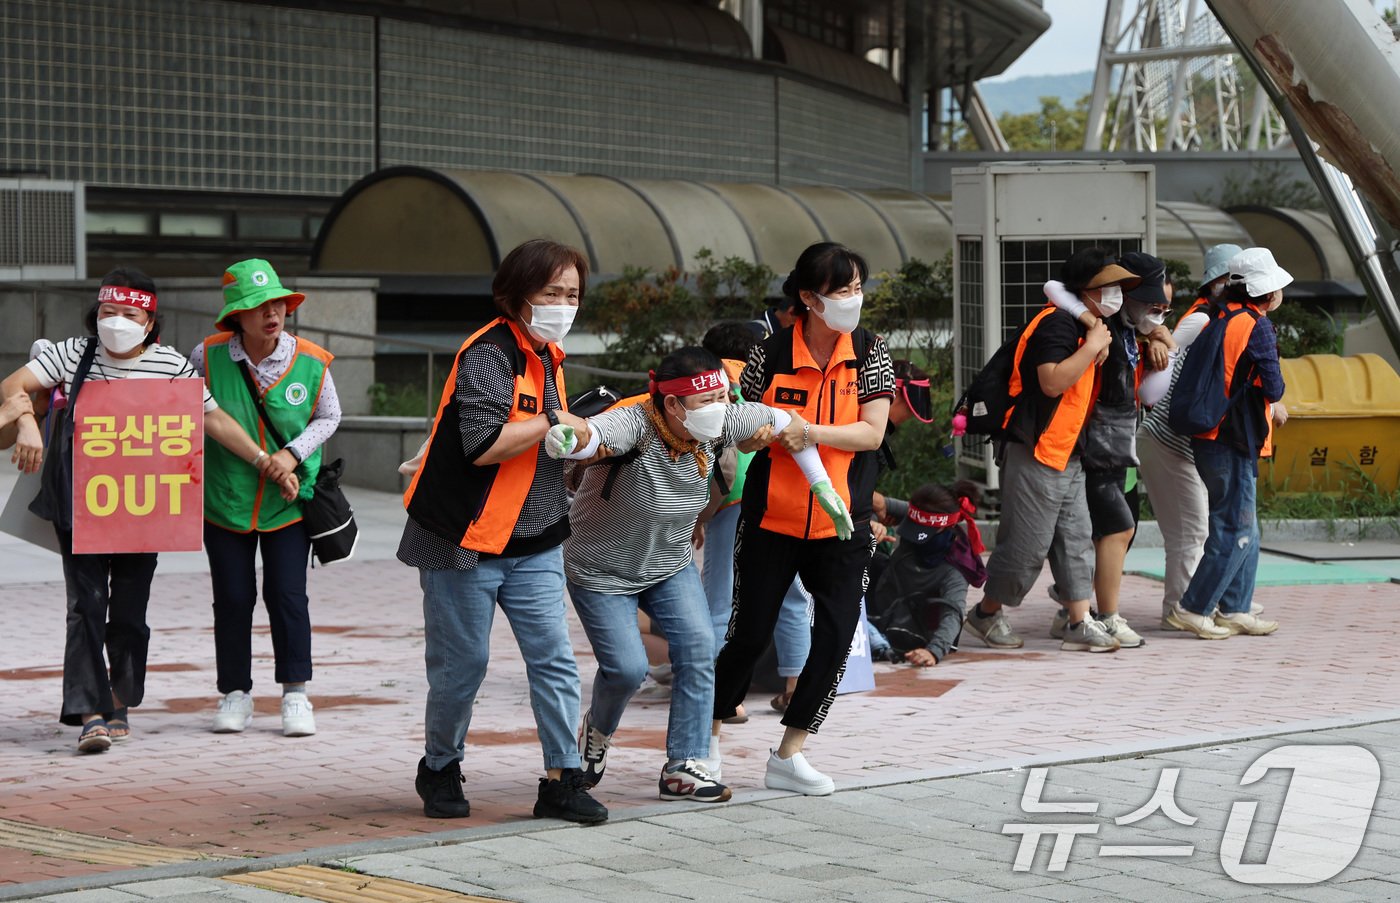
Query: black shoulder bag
x=329, y=518
x=54, y=502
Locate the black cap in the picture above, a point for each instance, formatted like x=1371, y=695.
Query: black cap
x=1154, y=276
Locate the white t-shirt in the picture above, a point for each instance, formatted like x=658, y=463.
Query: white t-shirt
x=59, y=364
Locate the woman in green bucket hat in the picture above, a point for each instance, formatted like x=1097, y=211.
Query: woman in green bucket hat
x=251, y=353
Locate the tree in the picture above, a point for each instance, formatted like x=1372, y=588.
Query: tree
x=1054, y=128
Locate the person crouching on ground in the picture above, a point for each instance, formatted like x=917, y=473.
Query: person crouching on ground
x=919, y=599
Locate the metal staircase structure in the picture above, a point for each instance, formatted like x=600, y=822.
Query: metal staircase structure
x=1153, y=55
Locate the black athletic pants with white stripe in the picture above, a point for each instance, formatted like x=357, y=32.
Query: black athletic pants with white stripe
x=834, y=572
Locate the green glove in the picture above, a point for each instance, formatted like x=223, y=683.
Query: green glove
x=835, y=508
x=559, y=441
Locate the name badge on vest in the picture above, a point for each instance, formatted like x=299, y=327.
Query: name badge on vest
x=529, y=404
x=795, y=397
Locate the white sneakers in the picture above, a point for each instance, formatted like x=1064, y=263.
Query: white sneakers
x=297, y=720
x=235, y=713
x=796, y=775
x=1202, y=626
x=1245, y=622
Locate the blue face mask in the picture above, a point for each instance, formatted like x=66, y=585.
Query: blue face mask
x=934, y=550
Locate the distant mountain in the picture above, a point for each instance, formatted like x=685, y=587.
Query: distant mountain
x=1022, y=95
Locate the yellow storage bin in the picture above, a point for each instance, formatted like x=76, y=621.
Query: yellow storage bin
x=1343, y=429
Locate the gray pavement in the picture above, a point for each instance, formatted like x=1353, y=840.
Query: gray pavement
x=941, y=839
x=931, y=833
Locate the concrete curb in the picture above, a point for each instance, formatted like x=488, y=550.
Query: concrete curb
x=338, y=856
x=1373, y=528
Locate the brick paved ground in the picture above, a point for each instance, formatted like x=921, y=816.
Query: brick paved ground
x=259, y=793
x=254, y=794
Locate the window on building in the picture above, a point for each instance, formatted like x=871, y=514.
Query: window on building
x=119, y=222
x=195, y=225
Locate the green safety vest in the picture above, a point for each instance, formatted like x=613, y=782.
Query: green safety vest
x=236, y=497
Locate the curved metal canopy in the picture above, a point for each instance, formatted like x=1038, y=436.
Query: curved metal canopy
x=418, y=221
x=414, y=220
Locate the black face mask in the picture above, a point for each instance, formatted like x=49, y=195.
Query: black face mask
x=934, y=550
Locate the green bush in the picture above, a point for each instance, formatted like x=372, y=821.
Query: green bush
x=644, y=315
x=909, y=307
x=399, y=400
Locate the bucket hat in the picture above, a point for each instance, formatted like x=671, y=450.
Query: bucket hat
x=1256, y=269
x=248, y=285
x=1218, y=261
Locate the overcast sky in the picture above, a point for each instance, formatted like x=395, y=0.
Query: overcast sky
x=1072, y=42
x=1070, y=45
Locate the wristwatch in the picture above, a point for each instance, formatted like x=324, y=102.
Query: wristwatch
x=552, y=417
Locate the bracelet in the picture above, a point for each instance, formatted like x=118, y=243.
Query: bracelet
x=806, y=436
x=258, y=457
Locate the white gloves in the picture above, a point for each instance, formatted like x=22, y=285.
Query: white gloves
x=560, y=441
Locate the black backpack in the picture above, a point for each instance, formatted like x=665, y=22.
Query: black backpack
x=987, y=399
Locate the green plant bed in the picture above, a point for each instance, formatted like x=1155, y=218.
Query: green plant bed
x=1321, y=506
x=399, y=400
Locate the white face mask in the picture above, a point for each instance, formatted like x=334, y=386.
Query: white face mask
x=120, y=334
x=550, y=322
x=706, y=423
x=1110, y=300
x=1143, y=318
x=1151, y=320
x=1216, y=289
x=842, y=315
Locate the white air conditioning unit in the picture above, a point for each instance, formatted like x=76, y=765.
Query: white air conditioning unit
x=42, y=230
x=1013, y=225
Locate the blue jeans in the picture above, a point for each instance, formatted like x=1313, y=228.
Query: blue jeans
x=718, y=574
x=678, y=606
x=458, y=608
x=1225, y=575
x=792, y=637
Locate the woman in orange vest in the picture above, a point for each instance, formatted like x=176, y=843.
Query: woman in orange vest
x=1044, y=510
x=1227, y=457
x=487, y=514
x=839, y=379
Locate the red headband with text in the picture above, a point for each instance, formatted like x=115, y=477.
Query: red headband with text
x=940, y=519
x=121, y=294
x=689, y=385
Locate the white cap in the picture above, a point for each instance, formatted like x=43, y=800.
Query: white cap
x=1255, y=267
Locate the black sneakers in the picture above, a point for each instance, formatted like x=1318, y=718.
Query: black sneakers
x=441, y=791
x=593, y=748
x=567, y=798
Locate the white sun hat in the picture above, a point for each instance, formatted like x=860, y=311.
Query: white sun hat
x=1255, y=267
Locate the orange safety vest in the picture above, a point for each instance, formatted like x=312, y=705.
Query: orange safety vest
x=1237, y=333
x=1196, y=306
x=476, y=506
x=774, y=484
x=1055, y=443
